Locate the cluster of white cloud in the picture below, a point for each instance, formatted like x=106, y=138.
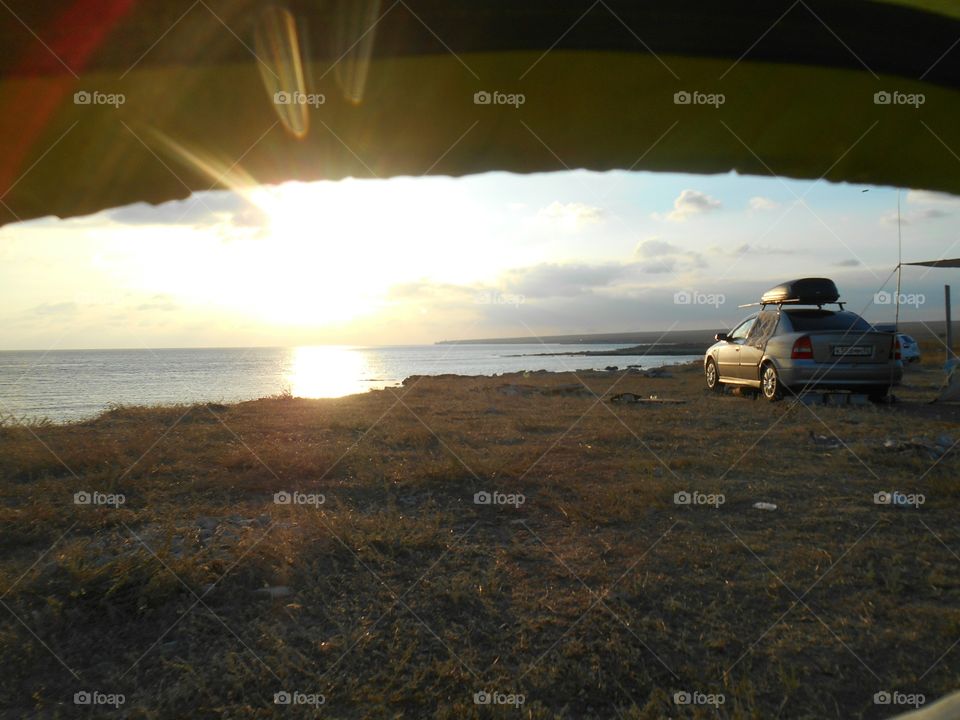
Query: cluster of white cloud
x=923, y=205
x=758, y=203
x=573, y=215
x=658, y=256
x=690, y=204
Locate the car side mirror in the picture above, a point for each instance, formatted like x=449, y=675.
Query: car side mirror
x=721, y=337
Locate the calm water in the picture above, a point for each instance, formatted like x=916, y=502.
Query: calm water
x=75, y=384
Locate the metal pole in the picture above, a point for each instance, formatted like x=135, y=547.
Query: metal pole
x=946, y=300
x=896, y=300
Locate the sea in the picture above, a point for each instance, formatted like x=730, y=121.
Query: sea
x=70, y=385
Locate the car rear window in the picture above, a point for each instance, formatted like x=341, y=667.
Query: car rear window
x=813, y=320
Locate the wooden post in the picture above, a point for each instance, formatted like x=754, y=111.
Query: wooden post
x=946, y=299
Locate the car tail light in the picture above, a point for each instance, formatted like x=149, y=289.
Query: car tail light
x=802, y=349
x=896, y=348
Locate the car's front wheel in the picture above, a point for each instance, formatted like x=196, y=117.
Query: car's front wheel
x=712, y=376
x=770, y=383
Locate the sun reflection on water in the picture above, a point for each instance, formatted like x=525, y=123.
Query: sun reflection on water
x=330, y=371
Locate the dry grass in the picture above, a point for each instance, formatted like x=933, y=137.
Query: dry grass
x=598, y=597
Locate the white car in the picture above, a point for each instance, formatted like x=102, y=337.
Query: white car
x=909, y=348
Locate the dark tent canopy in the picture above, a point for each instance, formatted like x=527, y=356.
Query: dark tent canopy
x=112, y=102
x=953, y=263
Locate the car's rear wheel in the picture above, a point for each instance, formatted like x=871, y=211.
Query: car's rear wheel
x=712, y=376
x=878, y=394
x=770, y=383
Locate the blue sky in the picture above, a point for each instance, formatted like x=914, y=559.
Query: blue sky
x=416, y=260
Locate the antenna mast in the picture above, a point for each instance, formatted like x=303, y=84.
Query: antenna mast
x=896, y=300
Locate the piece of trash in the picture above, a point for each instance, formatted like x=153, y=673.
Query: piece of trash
x=764, y=506
x=628, y=397
x=918, y=445
x=824, y=442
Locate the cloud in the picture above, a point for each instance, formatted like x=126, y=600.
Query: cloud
x=654, y=247
x=748, y=249
x=912, y=217
x=758, y=202
x=426, y=290
x=562, y=280
x=688, y=204
x=199, y=210
x=658, y=257
x=660, y=266
x=661, y=257
x=849, y=262
x=159, y=302
x=928, y=197
x=928, y=205
x=53, y=309
x=573, y=215
x=546, y=280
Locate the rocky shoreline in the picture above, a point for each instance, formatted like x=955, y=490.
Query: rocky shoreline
x=646, y=349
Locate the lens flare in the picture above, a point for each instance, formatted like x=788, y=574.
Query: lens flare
x=356, y=23
x=278, y=47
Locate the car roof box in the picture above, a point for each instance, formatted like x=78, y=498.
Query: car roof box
x=805, y=291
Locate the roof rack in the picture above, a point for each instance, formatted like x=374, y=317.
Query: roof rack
x=803, y=291
x=762, y=305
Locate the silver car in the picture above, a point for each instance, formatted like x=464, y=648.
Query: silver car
x=788, y=348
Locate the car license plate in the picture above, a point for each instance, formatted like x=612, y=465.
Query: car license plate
x=852, y=350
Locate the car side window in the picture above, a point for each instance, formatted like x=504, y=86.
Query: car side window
x=739, y=333
x=763, y=328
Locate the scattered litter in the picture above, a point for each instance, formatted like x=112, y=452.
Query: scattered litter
x=630, y=398
x=825, y=443
x=764, y=506
x=933, y=450
x=833, y=399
